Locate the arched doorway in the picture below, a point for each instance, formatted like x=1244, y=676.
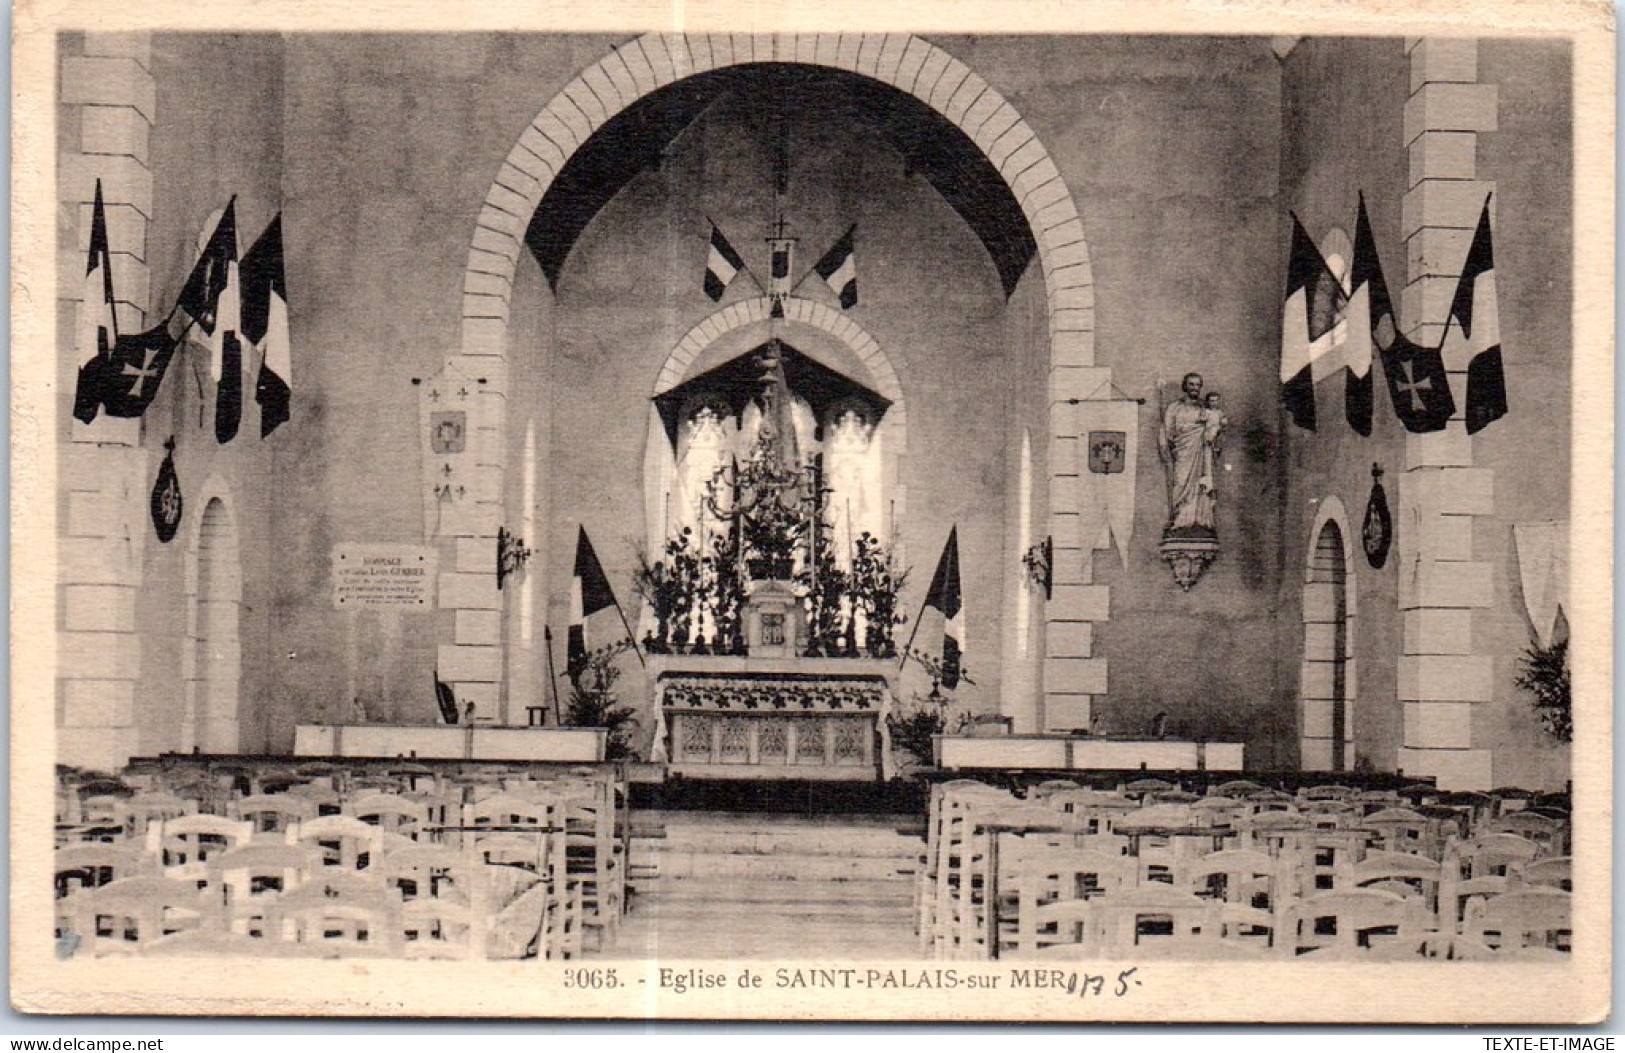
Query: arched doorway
x=215, y=646
x=1327, y=687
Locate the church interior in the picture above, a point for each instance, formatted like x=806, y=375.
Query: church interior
x=963, y=496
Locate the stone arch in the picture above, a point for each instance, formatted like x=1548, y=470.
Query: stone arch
x=211, y=661
x=648, y=63
x=1326, y=683
x=796, y=310
x=810, y=313
x=645, y=64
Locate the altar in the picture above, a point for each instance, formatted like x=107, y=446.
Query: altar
x=772, y=717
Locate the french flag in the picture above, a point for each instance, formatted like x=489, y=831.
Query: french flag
x=839, y=271
x=265, y=325
x=721, y=264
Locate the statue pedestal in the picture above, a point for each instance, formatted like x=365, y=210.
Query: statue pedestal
x=772, y=717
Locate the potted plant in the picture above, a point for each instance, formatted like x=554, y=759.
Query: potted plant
x=1544, y=673
x=594, y=702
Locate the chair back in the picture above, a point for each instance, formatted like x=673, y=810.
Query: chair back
x=1528, y=917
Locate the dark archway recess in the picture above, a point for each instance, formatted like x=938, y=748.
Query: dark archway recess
x=739, y=380
x=638, y=137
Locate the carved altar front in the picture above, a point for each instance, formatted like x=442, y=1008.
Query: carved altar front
x=773, y=717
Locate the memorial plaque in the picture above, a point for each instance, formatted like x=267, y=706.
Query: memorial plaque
x=399, y=577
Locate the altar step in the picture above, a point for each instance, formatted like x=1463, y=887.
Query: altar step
x=732, y=885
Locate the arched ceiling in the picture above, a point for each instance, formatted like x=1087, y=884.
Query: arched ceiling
x=638, y=138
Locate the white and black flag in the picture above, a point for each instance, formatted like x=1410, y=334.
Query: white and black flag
x=721, y=264
x=839, y=270
x=265, y=325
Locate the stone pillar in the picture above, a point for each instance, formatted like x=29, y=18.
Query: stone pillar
x=466, y=529
x=106, y=109
x=1073, y=674
x=1441, y=677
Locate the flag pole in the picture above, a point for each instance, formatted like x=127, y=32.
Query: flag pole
x=553, y=676
x=629, y=634
x=908, y=647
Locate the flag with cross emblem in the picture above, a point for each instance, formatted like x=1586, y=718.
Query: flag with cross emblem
x=1418, y=385
x=135, y=370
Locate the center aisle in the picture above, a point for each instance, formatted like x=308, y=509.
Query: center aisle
x=733, y=885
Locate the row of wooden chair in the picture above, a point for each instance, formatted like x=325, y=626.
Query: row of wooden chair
x=584, y=815
x=496, y=899
x=983, y=845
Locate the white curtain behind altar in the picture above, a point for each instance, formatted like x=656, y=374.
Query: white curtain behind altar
x=852, y=471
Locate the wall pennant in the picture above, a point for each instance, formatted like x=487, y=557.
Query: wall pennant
x=448, y=416
x=1109, y=424
x=1377, y=533
x=166, y=497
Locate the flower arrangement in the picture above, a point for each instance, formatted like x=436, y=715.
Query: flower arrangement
x=876, y=581
x=773, y=526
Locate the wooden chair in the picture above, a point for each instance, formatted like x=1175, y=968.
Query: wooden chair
x=1137, y=789
x=1550, y=834
x=1528, y=917
x=91, y=864
x=439, y=929
x=534, y=910
x=1457, y=894
x=1132, y=920
x=184, y=845
x=339, y=915
x=1402, y=830
x=1271, y=831
x=1556, y=872
x=144, y=809
x=1406, y=874
x=1497, y=855
x=1041, y=790
x=1246, y=883
x=323, y=798
x=1097, y=812
x=245, y=881
x=1215, y=810
x=272, y=814
x=1355, y=921
x=391, y=813
x=123, y=915
x=595, y=855
x=345, y=841
x=1369, y=801
x=1041, y=874
x=429, y=871
x=951, y=876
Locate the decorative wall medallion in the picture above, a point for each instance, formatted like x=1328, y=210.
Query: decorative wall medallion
x=1377, y=533
x=166, y=497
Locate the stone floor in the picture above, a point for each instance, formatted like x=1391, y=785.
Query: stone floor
x=752, y=886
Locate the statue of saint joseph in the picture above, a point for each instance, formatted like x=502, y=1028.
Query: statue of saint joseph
x=1189, y=445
